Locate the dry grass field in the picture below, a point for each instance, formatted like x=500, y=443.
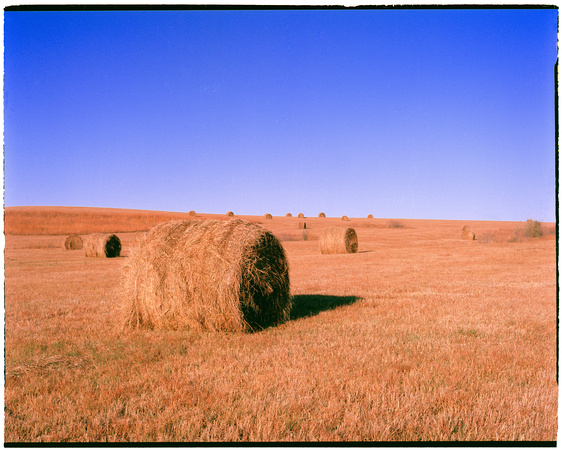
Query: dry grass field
x=420, y=336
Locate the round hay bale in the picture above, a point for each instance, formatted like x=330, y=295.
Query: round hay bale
x=230, y=214
x=468, y=234
x=72, y=242
x=344, y=218
x=268, y=216
x=192, y=213
x=216, y=275
x=288, y=215
x=302, y=225
x=370, y=216
x=322, y=215
x=338, y=240
x=301, y=216
x=102, y=245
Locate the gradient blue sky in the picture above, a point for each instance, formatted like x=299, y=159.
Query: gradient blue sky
x=429, y=114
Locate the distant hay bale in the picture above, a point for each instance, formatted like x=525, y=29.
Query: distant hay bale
x=301, y=216
x=344, y=218
x=468, y=234
x=217, y=275
x=322, y=215
x=288, y=215
x=338, y=240
x=370, y=216
x=102, y=245
x=230, y=214
x=268, y=216
x=72, y=242
x=192, y=213
x=302, y=225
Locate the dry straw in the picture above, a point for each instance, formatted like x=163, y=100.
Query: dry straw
x=302, y=225
x=322, y=215
x=72, y=242
x=102, y=245
x=268, y=216
x=338, y=240
x=217, y=275
x=468, y=234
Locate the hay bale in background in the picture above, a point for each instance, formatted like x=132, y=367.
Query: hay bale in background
x=218, y=275
x=322, y=215
x=468, y=234
x=288, y=215
x=302, y=225
x=230, y=214
x=72, y=242
x=370, y=216
x=301, y=216
x=102, y=245
x=268, y=216
x=192, y=213
x=344, y=218
x=338, y=240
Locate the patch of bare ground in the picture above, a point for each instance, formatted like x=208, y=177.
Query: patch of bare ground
x=418, y=336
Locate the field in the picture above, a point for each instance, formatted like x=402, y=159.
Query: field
x=420, y=336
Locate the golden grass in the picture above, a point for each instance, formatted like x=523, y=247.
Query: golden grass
x=424, y=337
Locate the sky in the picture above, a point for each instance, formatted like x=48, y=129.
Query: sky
x=399, y=113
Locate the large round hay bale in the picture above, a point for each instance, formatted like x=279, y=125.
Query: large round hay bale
x=102, y=245
x=268, y=216
x=302, y=225
x=288, y=215
x=468, y=234
x=370, y=216
x=301, y=216
x=72, y=242
x=338, y=240
x=192, y=213
x=217, y=275
x=344, y=218
x=322, y=215
x=230, y=214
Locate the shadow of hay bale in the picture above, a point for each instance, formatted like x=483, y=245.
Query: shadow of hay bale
x=311, y=305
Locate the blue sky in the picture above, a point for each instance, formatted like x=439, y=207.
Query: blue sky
x=416, y=113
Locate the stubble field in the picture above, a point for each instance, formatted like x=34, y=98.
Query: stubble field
x=419, y=336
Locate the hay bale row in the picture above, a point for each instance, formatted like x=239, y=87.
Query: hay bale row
x=72, y=242
x=102, y=245
x=338, y=240
x=218, y=275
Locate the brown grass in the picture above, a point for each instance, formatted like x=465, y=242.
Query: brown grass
x=72, y=242
x=215, y=275
x=338, y=240
x=102, y=245
x=420, y=338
